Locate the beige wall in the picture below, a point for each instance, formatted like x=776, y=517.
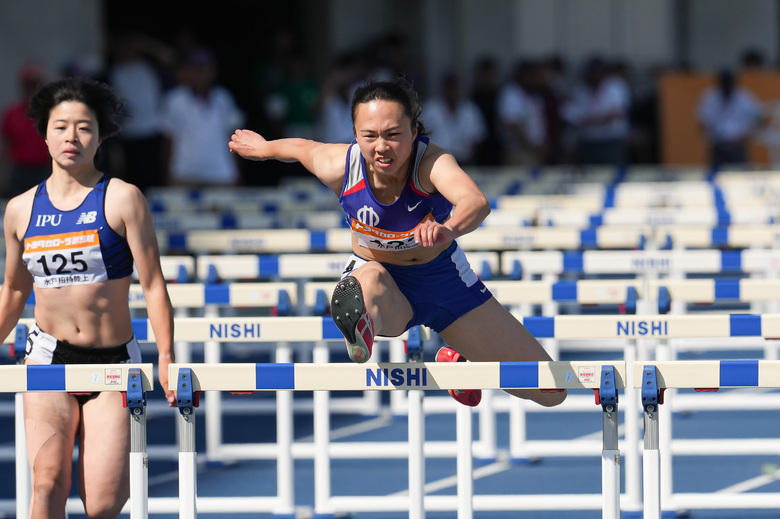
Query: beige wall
x=682, y=141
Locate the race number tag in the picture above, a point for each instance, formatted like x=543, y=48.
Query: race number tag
x=65, y=259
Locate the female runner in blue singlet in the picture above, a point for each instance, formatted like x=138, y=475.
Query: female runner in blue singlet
x=74, y=239
x=407, y=201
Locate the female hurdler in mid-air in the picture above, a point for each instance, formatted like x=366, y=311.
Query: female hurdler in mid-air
x=407, y=201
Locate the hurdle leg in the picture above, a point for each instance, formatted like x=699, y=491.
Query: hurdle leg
x=322, y=507
x=631, y=420
x=416, y=455
x=139, y=459
x=188, y=467
x=23, y=484
x=465, y=463
x=665, y=431
x=212, y=355
x=610, y=453
x=518, y=447
x=487, y=446
x=651, y=459
x=183, y=354
x=285, y=480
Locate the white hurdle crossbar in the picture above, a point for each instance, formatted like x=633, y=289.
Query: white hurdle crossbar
x=652, y=379
x=607, y=378
x=275, y=329
x=135, y=380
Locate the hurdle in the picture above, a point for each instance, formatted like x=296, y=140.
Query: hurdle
x=653, y=379
x=264, y=241
x=134, y=380
x=705, y=261
x=305, y=266
x=607, y=378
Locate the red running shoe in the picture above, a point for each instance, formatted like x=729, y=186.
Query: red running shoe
x=469, y=397
x=349, y=314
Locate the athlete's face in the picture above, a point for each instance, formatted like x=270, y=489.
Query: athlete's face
x=385, y=136
x=72, y=134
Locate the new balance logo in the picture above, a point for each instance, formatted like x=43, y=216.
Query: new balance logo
x=89, y=217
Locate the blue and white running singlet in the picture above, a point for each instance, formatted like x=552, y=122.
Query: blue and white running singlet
x=389, y=226
x=77, y=247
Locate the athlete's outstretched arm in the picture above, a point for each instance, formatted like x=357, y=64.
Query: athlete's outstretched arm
x=142, y=239
x=324, y=161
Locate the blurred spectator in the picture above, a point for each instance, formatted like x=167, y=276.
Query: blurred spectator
x=334, y=119
x=455, y=122
x=487, y=85
x=752, y=59
x=729, y=115
x=291, y=108
x=553, y=98
x=599, y=111
x=25, y=160
x=521, y=116
x=645, y=143
x=197, y=118
x=269, y=74
x=136, y=79
x=392, y=57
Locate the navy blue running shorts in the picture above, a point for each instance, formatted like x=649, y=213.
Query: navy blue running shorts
x=439, y=291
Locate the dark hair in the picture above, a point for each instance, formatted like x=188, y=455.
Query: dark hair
x=399, y=90
x=99, y=97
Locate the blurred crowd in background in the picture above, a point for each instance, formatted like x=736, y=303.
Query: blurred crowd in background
x=539, y=112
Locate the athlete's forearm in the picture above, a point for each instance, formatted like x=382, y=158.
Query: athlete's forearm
x=290, y=150
x=160, y=313
x=12, y=302
x=468, y=215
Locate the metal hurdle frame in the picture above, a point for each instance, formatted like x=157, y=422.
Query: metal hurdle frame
x=134, y=380
x=652, y=379
x=275, y=329
x=191, y=379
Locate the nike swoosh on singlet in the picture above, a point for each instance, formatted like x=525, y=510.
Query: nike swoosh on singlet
x=413, y=207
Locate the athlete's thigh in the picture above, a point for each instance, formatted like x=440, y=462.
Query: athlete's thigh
x=104, y=446
x=490, y=333
x=51, y=422
x=384, y=300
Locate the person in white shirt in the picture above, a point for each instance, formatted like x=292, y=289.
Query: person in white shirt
x=598, y=111
x=521, y=116
x=454, y=120
x=729, y=115
x=196, y=117
x=138, y=82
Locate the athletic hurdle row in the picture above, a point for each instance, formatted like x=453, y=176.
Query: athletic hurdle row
x=270, y=241
x=651, y=378
x=487, y=264
x=738, y=325
x=748, y=213
x=602, y=327
x=190, y=380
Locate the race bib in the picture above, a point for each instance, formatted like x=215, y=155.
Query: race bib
x=65, y=259
x=380, y=239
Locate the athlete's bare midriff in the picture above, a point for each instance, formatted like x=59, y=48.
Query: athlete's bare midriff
x=415, y=256
x=86, y=315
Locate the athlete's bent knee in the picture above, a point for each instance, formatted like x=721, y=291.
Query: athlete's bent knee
x=49, y=494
